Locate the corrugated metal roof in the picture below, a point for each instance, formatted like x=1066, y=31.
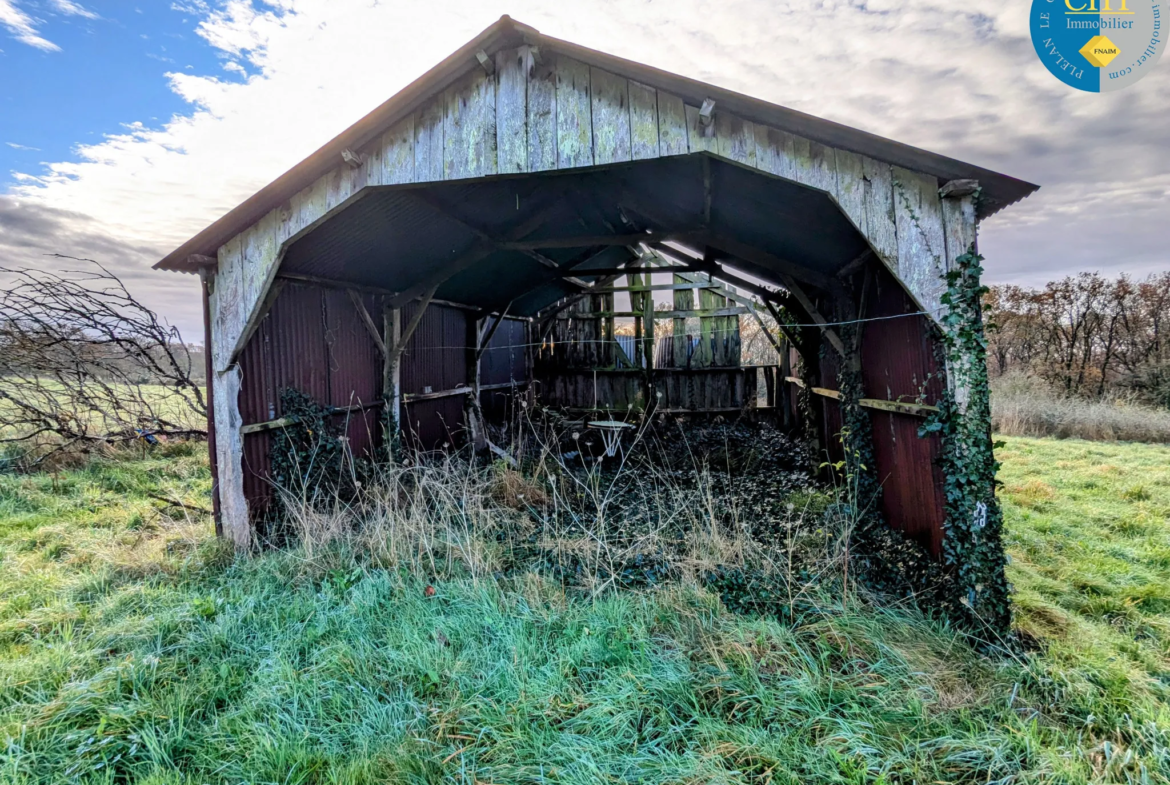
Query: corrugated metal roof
x=998, y=190
x=396, y=238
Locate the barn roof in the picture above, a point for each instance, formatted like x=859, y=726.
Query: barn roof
x=999, y=190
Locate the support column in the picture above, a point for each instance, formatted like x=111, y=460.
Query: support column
x=229, y=448
x=392, y=380
x=960, y=231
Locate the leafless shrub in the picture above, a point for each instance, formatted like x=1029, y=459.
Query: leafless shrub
x=1022, y=405
x=85, y=365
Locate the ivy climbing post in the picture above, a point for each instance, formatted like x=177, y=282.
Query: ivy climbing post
x=973, y=531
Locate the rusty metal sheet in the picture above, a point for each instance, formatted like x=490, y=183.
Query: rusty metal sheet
x=898, y=363
x=312, y=340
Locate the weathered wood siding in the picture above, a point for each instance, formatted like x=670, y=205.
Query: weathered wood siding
x=561, y=113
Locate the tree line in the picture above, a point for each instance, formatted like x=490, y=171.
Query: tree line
x=1085, y=335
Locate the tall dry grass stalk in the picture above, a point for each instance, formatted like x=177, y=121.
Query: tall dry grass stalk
x=1025, y=406
x=596, y=526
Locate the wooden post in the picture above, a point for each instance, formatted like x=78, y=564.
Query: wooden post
x=684, y=300
x=392, y=378
x=476, y=340
x=648, y=337
x=635, y=281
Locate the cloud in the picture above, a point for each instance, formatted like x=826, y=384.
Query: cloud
x=924, y=72
x=22, y=27
x=70, y=8
x=16, y=146
x=30, y=232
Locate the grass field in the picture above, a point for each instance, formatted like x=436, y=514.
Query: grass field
x=134, y=649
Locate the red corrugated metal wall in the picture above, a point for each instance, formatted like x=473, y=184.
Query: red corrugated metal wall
x=435, y=357
x=898, y=362
x=314, y=341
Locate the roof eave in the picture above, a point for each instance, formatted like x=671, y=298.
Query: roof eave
x=1001, y=190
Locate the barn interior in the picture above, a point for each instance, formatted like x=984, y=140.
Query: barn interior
x=615, y=293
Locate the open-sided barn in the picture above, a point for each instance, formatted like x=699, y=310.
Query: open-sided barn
x=483, y=230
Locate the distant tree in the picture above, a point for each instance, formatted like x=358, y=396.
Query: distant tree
x=1085, y=334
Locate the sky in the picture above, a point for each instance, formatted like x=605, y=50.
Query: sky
x=125, y=129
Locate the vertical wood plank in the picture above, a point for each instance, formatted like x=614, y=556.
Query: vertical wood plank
x=774, y=153
x=684, y=300
x=574, y=126
x=340, y=186
x=921, y=243
x=959, y=232
x=824, y=167
x=398, y=153
x=735, y=138
x=371, y=172
x=611, y=117
x=542, y=114
x=643, y=121
x=672, y=125
x=880, y=219
x=634, y=280
x=469, y=128
x=959, y=225
x=512, y=110
x=851, y=188
x=428, y=142
x=700, y=138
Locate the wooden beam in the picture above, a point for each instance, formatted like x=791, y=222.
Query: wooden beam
x=410, y=327
x=620, y=271
x=478, y=251
x=284, y=422
x=485, y=339
x=331, y=283
x=792, y=339
x=776, y=264
x=899, y=407
x=464, y=390
x=696, y=313
x=392, y=375
x=955, y=189
x=367, y=320
x=855, y=265
x=658, y=287
x=822, y=322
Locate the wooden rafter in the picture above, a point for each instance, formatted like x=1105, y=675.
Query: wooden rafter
x=359, y=306
x=395, y=351
x=808, y=305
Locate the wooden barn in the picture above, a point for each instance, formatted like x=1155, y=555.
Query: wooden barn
x=531, y=215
